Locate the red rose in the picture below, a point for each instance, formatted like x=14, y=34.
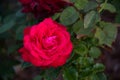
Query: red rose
x=46, y=44
x=43, y=8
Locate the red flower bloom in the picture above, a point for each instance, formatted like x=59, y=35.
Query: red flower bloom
x=43, y=8
x=46, y=44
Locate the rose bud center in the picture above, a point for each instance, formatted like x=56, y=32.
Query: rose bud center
x=50, y=42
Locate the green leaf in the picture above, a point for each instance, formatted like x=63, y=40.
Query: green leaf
x=7, y=26
x=98, y=76
x=56, y=16
x=78, y=28
x=94, y=77
x=107, y=34
x=69, y=16
x=111, y=30
x=90, y=19
x=80, y=4
x=102, y=76
x=100, y=35
x=98, y=17
x=37, y=78
x=94, y=42
x=109, y=7
x=90, y=6
x=70, y=74
x=98, y=67
x=85, y=61
x=81, y=49
x=94, y=52
x=111, y=33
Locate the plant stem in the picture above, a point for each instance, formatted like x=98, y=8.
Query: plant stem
x=103, y=6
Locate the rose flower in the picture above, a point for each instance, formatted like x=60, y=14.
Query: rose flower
x=46, y=44
x=43, y=8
